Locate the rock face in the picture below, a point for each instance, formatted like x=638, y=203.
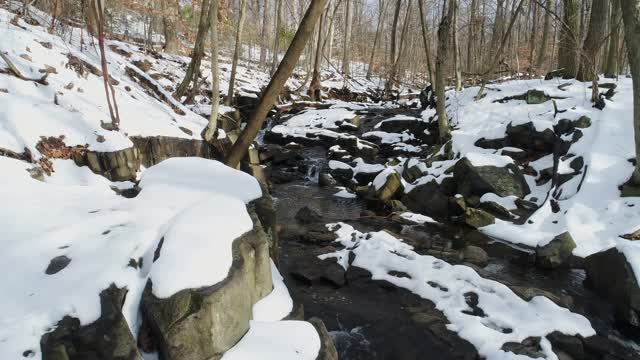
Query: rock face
x=624, y=292
x=556, y=253
x=108, y=337
x=158, y=148
x=119, y=165
x=479, y=180
x=204, y=323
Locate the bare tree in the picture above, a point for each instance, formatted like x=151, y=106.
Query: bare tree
x=276, y=36
x=169, y=20
x=443, y=56
x=593, y=43
x=569, y=32
x=631, y=16
x=611, y=66
x=425, y=39
x=376, y=40
x=346, y=51
x=270, y=94
x=264, y=32
x=456, y=47
x=315, y=87
x=545, y=34
x=236, y=52
x=211, y=130
x=96, y=12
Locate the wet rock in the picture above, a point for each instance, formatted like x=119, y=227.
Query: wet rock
x=428, y=199
x=624, y=292
x=307, y=215
x=413, y=170
x=108, y=337
x=57, y=264
x=475, y=255
x=327, y=348
x=397, y=206
x=479, y=180
x=391, y=184
x=528, y=293
x=204, y=323
x=571, y=345
x=317, y=271
x=326, y=180
x=318, y=233
x=342, y=174
x=528, y=347
x=556, y=253
x=478, y=218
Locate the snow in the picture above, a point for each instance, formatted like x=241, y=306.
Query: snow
x=278, y=304
x=507, y=202
x=389, y=138
x=344, y=193
x=447, y=286
x=417, y=218
x=80, y=217
x=478, y=159
x=326, y=118
x=282, y=340
x=381, y=179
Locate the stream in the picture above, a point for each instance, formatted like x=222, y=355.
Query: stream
x=375, y=320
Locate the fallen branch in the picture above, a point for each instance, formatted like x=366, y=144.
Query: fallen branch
x=13, y=69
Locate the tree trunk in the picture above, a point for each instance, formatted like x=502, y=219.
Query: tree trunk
x=236, y=52
x=346, y=51
x=545, y=34
x=569, y=34
x=471, y=35
x=276, y=37
x=456, y=47
x=388, y=85
x=442, y=58
x=193, y=70
x=611, y=68
x=270, y=94
x=263, y=34
x=593, y=42
x=534, y=31
x=169, y=22
x=211, y=130
x=381, y=11
x=425, y=40
x=631, y=16
x=315, y=88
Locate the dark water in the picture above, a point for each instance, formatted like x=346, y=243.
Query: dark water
x=365, y=324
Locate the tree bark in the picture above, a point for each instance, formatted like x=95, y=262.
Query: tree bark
x=236, y=52
x=569, y=34
x=593, y=42
x=388, y=85
x=211, y=130
x=631, y=17
x=315, y=87
x=456, y=47
x=534, y=31
x=276, y=37
x=263, y=34
x=425, y=40
x=169, y=21
x=270, y=95
x=471, y=35
x=611, y=68
x=545, y=34
x=442, y=58
x=193, y=70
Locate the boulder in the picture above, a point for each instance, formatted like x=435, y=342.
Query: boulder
x=527, y=137
x=428, y=199
x=478, y=218
x=108, y=337
x=204, y=323
x=528, y=293
x=327, y=348
x=624, y=292
x=556, y=253
x=475, y=255
x=413, y=170
x=307, y=215
x=534, y=97
x=387, y=184
x=479, y=180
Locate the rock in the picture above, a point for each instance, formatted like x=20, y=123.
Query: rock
x=397, y=206
x=108, y=337
x=413, y=170
x=624, y=292
x=307, y=215
x=478, y=218
x=629, y=190
x=528, y=347
x=318, y=233
x=527, y=137
x=387, y=184
x=327, y=348
x=155, y=149
x=554, y=74
x=326, y=180
x=57, y=264
x=535, y=97
x=317, y=271
x=475, y=255
x=479, y=180
x=342, y=174
x=121, y=165
x=528, y=293
x=428, y=199
x=204, y=323
x=569, y=344
x=556, y=253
